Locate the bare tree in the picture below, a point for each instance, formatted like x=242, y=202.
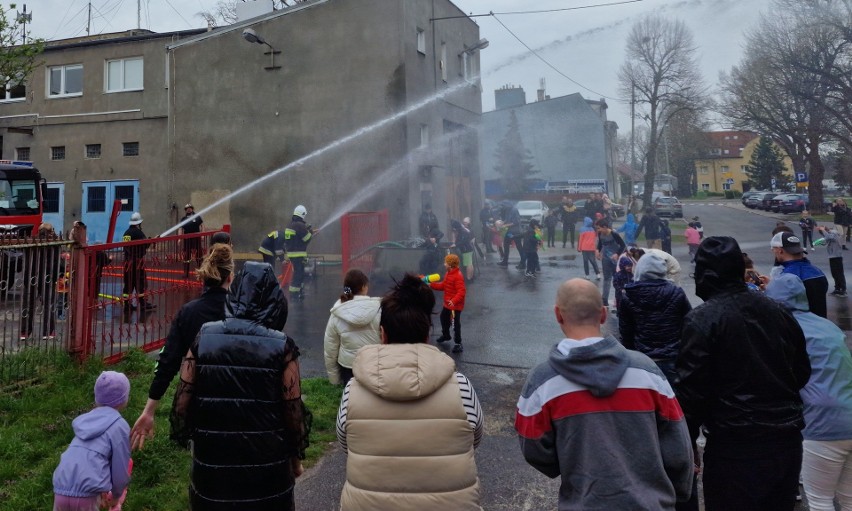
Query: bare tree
x=225, y=11
x=767, y=93
x=662, y=74
x=17, y=60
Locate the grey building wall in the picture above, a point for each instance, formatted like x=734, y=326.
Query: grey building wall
x=362, y=67
x=97, y=117
x=566, y=136
x=212, y=119
x=509, y=97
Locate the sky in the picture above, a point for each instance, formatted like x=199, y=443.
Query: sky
x=582, y=48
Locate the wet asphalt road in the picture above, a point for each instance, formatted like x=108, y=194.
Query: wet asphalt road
x=508, y=327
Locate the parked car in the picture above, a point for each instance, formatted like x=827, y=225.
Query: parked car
x=529, y=209
x=746, y=196
x=767, y=198
x=793, y=203
x=775, y=202
x=617, y=210
x=668, y=206
x=755, y=200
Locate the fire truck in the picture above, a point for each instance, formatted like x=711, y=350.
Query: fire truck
x=22, y=191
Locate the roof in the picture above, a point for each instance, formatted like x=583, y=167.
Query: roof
x=728, y=144
x=118, y=37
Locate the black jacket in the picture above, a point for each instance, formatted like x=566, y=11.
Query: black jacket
x=247, y=423
x=210, y=306
x=651, y=223
x=842, y=216
x=742, y=360
x=650, y=318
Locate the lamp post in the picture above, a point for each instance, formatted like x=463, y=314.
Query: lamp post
x=253, y=37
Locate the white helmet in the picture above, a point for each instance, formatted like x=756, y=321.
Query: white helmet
x=300, y=211
x=135, y=219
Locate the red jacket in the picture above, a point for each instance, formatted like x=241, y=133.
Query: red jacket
x=453, y=288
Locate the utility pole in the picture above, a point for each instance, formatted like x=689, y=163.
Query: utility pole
x=139, y=14
x=24, y=18
x=89, y=21
x=632, y=133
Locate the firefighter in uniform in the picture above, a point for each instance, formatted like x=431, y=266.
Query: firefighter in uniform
x=134, y=266
x=191, y=246
x=297, y=235
x=272, y=248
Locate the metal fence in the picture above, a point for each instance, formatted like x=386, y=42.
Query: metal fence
x=33, y=305
x=360, y=232
x=58, y=298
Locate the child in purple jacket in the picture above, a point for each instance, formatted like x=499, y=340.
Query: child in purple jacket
x=95, y=468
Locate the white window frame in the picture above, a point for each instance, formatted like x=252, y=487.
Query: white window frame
x=421, y=41
x=443, y=62
x=64, y=69
x=704, y=169
x=54, y=151
x=123, y=87
x=705, y=187
x=424, y=135
x=21, y=155
x=6, y=96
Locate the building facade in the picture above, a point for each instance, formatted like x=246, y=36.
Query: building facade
x=725, y=167
x=569, y=138
x=335, y=112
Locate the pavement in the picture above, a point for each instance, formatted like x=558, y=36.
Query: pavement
x=509, y=327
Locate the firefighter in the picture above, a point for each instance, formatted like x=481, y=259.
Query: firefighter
x=191, y=246
x=134, y=266
x=272, y=248
x=297, y=235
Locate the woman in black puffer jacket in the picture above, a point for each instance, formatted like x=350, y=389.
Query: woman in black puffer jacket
x=650, y=317
x=249, y=426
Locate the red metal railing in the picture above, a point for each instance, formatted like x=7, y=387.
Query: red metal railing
x=125, y=295
x=360, y=232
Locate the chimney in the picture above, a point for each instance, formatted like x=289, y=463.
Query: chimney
x=541, y=90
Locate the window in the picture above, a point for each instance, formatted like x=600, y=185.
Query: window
x=93, y=151
x=51, y=200
x=725, y=169
x=727, y=151
x=57, y=153
x=736, y=137
x=22, y=153
x=705, y=187
x=96, y=202
x=130, y=149
x=743, y=168
x=704, y=169
x=124, y=75
x=727, y=137
x=715, y=151
x=14, y=92
x=726, y=185
x=424, y=135
x=421, y=41
x=443, y=62
x=65, y=80
x=125, y=193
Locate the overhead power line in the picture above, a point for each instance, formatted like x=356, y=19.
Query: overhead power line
x=551, y=66
x=540, y=11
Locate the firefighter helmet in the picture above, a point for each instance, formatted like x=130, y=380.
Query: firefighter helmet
x=300, y=211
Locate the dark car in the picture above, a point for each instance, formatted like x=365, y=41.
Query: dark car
x=668, y=206
x=793, y=203
x=767, y=198
x=775, y=202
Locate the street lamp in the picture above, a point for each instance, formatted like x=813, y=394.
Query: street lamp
x=466, y=55
x=253, y=37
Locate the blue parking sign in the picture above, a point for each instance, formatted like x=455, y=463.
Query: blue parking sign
x=801, y=177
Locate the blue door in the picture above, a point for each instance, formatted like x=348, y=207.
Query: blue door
x=98, y=197
x=54, y=206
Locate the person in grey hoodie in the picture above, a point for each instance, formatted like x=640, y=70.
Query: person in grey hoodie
x=828, y=401
x=95, y=469
x=602, y=417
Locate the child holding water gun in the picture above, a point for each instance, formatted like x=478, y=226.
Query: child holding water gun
x=453, y=304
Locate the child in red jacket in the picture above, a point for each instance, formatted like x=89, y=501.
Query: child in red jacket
x=454, y=291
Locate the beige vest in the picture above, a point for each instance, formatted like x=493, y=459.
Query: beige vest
x=408, y=451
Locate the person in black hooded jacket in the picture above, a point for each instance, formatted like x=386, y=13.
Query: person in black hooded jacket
x=741, y=365
x=651, y=314
x=250, y=427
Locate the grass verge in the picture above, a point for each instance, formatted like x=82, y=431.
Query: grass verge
x=35, y=427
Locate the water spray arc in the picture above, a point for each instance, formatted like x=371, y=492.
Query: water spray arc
x=337, y=143
x=388, y=176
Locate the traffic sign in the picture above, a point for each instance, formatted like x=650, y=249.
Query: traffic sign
x=773, y=181
x=801, y=177
x=729, y=181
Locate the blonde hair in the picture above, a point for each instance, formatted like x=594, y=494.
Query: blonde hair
x=452, y=261
x=217, y=266
x=45, y=229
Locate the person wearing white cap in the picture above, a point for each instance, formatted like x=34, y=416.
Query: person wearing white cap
x=134, y=267
x=790, y=257
x=297, y=235
x=191, y=224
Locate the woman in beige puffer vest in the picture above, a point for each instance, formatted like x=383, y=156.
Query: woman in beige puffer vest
x=408, y=420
